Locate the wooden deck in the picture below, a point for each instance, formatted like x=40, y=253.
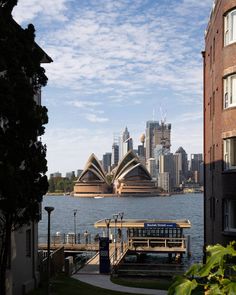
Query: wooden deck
x=71, y=247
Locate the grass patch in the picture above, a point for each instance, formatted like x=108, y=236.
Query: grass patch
x=148, y=283
x=62, y=285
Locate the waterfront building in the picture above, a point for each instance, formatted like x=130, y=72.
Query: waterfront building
x=56, y=174
x=23, y=272
x=195, y=167
x=152, y=167
x=131, y=177
x=184, y=163
x=115, y=155
x=220, y=124
x=141, y=151
x=92, y=180
x=126, y=143
x=70, y=175
x=79, y=171
x=164, y=181
x=106, y=162
x=157, y=134
x=167, y=164
x=178, y=173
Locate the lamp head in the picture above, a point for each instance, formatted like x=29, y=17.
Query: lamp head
x=121, y=215
x=115, y=216
x=107, y=221
x=49, y=209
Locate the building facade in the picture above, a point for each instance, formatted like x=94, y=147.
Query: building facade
x=126, y=143
x=195, y=167
x=115, y=155
x=106, y=162
x=184, y=163
x=157, y=134
x=220, y=124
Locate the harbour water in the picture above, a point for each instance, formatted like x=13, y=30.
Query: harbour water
x=90, y=210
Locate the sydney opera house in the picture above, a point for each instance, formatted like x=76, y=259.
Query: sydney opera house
x=130, y=177
x=93, y=179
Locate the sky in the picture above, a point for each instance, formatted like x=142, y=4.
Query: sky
x=118, y=63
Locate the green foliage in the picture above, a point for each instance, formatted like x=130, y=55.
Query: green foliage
x=61, y=185
x=215, y=277
x=109, y=178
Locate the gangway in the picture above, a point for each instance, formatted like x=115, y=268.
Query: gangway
x=92, y=265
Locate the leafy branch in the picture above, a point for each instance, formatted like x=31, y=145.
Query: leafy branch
x=215, y=277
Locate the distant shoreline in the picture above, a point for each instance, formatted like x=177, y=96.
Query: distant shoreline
x=100, y=196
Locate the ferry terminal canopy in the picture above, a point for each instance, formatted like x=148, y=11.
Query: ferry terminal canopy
x=144, y=223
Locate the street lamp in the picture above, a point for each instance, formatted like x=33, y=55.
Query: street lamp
x=115, y=216
x=107, y=221
x=75, y=212
x=121, y=215
x=49, y=210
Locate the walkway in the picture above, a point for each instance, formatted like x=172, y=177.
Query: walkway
x=103, y=281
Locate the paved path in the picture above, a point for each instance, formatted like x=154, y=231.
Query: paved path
x=103, y=281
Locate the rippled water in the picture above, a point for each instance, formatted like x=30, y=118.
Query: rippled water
x=90, y=210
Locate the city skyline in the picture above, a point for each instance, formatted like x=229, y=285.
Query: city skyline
x=118, y=64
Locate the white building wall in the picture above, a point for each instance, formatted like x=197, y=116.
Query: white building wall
x=23, y=273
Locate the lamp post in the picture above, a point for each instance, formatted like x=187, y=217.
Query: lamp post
x=75, y=212
x=107, y=221
x=115, y=216
x=121, y=215
x=49, y=210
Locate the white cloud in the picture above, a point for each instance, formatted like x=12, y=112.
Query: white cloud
x=119, y=54
x=95, y=118
x=50, y=10
x=187, y=117
x=96, y=49
x=75, y=142
x=84, y=104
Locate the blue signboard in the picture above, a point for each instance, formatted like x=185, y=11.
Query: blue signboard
x=104, y=258
x=160, y=224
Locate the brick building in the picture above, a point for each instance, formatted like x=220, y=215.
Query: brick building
x=220, y=123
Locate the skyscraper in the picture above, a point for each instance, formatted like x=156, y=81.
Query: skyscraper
x=126, y=143
x=157, y=134
x=184, y=163
x=115, y=154
x=195, y=164
x=106, y=162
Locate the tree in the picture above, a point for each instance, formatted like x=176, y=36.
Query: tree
x=22, y=154
x=215, y=277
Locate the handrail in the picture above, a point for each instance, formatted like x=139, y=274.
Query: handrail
x=167, y=242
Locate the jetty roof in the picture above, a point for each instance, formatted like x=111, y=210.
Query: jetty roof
x=144, y=223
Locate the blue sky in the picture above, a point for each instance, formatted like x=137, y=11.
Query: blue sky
x=118, y=63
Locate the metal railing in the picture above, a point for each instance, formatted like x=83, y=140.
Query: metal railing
x=70, y=239
x=152, y=242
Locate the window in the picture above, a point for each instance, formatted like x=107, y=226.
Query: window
x=230, y=153
x=229, y=91
x=230, y=215
x=28, y=243
x=230, y=28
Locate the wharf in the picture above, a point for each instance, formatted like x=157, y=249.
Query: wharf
x=71, y=247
